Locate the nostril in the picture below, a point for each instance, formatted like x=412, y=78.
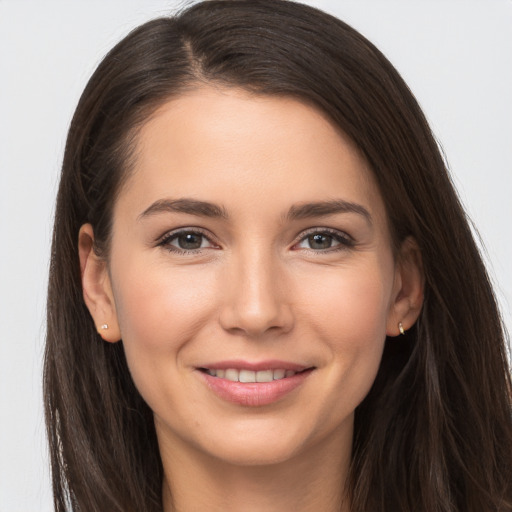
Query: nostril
x=255, y=321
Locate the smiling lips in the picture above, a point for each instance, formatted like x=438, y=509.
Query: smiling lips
x=235, y=375
x=254, y=385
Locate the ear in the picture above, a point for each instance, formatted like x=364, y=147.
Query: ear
x=96, y=287
x=407, y=298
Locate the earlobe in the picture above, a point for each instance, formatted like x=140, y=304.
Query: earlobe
x=96, y=286
x=408, y=289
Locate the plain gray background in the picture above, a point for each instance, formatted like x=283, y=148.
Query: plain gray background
x=456, y=56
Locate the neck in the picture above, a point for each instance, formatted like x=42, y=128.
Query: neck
x=310, y=482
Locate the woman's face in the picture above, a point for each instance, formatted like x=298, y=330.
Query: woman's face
x=250, y=244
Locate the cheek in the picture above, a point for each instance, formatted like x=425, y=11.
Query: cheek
x=349, y=314
x=159, y=309
x=351, y=304
x=154, y=301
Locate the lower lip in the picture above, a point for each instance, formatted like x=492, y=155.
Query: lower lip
x=254, y=394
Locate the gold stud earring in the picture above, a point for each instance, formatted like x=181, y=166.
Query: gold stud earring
x=104, y=326
x=401, y=328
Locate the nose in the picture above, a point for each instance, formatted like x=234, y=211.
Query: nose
x=256, y=298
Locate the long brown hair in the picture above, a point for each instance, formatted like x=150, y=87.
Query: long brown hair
x=435, y=432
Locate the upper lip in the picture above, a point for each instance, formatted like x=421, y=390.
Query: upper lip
x=255, y=366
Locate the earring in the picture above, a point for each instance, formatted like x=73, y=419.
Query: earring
x=401, y=328
x=104, y=326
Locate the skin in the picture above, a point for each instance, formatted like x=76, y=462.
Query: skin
x=257, y=289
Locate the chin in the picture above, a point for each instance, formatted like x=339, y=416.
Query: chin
x=262, y=443
x=255, y=453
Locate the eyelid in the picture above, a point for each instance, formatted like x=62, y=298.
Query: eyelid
x=163, y=240
x=345, y=240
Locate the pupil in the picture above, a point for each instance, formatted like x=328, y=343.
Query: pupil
x=320, y=241
x=189, y=241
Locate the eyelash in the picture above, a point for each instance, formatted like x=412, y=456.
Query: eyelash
x=344, y=240
x=166, y=240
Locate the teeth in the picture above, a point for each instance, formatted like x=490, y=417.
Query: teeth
x=279, y=374
x=247, y=376
x=232, y=375
x=235, y=375
x=265, y=376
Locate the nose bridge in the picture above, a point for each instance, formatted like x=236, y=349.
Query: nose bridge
x=256, y=301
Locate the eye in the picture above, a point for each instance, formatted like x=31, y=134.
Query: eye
x=324, y=240
x=186, y=240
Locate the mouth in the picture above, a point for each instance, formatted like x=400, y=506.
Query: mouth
x=250, y=376
x=254, y=385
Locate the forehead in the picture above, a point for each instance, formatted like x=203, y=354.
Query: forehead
x=239, y=150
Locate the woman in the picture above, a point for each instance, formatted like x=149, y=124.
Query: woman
x=264, y=293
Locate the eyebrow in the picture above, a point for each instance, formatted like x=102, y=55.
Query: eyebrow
x=325, y=208
x=296, y=212
x=185, y=205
